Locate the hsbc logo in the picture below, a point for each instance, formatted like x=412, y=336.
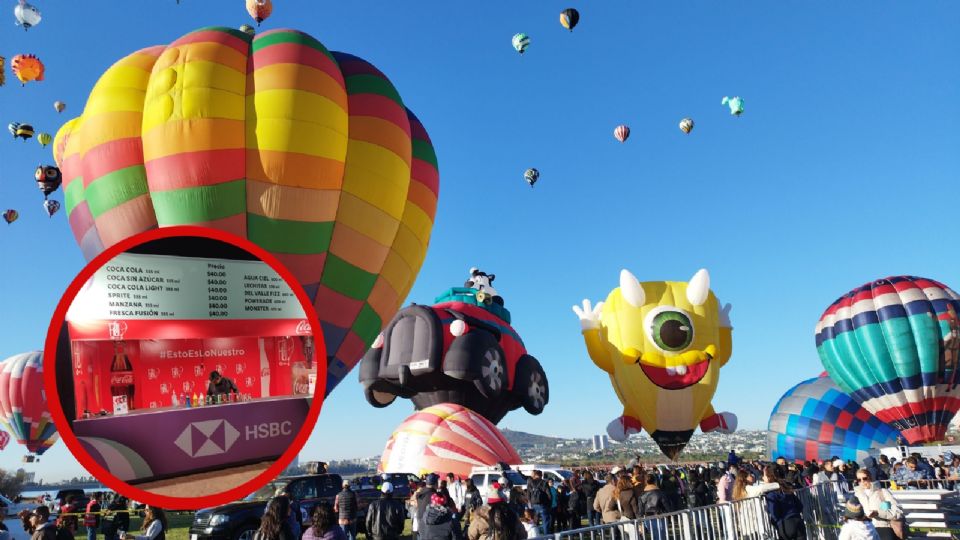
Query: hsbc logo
x=207, y=438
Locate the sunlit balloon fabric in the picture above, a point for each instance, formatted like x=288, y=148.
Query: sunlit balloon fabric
x=23, y=402
x=310, y=154
x=445, y=438
x=893, y=345
x=817, y=420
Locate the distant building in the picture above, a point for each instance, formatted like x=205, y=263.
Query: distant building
x=600, y=442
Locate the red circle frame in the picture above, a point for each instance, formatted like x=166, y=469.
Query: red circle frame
x=85, y=459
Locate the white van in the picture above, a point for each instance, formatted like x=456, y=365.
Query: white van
x=484, y=476
x=550, y=472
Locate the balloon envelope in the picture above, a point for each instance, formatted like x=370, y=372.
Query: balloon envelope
x=4, y=440
x=27, y=15
x=23, y=402
x=569, y=18
x=445, y=438
x=621, y=133
x=310, y=154
x=817, y=420
x=893, y=346
x=27, y=67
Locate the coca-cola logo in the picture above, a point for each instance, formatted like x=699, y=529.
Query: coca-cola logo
x=117, y=329
x=188, y=386
x=303, y=328
x=248, y=382
x=120, y=379
x=197, y=371
x=153, y=373
x=164, y=388
x=176, y=372
x=239, y=368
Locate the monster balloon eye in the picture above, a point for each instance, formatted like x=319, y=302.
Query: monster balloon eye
x=52, y=173
x=671, y=331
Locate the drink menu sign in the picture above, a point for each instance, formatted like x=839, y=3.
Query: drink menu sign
x=162, y=287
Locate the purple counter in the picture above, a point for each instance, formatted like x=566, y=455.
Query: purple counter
x=160, y=443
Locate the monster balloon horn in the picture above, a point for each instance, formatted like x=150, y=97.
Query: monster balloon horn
x=663, y=344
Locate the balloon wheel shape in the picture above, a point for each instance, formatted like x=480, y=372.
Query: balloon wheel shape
x=816, y=420
x=893, y=346
x=308, y=153
x=23, y=404
x=445, y=438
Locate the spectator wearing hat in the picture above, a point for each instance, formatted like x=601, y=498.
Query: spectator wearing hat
x=423, y=498
x=40, y=524
x=385, y=516
x=857, y=525
x=220, y=386
x=345, y=505
x=438, y=521
x=495, y=520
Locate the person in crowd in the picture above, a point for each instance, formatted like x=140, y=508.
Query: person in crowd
x=540, y=499
x=296, y=517
x=625, y=498
x=438, y=521
x=423, y=498
x=117, y=519
x=345, y=505
x=472, y=499
x=652, y=503
x=732, y=460
x=516, y=499
x=589, y=488
x=604, y=503
x=857, y=525
x=385, y=516
x=740, y=485
x=413, y=509
x=68, y=515
x=786, y=512
x=530, y=525
x=220, y=386
x=911, y=475
x=561, y=516
x=457, y=491
x=698, y=494
x=91, y=520
x=154, y=526
x=769, y=482
x=495, y=520
x=878, y=504
x=40, y=526
x=574, y=503
x=275, y=523
x=323, y=524
x=725, y=484
x=876, y=473
x=554, y=505
x=924, y=466
x=884, y=465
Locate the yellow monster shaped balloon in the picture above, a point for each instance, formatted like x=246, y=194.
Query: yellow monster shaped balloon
x=663, y=344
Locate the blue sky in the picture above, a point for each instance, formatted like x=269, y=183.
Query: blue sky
x=844, y=167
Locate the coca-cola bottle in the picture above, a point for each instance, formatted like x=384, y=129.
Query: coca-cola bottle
x=121, y=375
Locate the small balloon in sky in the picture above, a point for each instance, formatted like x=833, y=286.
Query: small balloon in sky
x=521, y=42
x=686, y=125
x=531, y=176
x=27, y=15
x=735, y=103
x=621, y=132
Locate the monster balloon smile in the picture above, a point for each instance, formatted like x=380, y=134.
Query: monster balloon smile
x=663, y=344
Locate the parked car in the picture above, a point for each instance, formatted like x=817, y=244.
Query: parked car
x=550, y=472
x=61, y=497
x=484, y=476
x=239, y=520
x=460, y=349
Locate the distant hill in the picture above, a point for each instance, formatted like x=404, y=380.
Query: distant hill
x=519, y=439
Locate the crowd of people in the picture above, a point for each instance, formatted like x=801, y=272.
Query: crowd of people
x=103, y=516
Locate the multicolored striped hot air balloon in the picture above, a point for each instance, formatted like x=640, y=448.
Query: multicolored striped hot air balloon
x=310, y=154
x=817, y=420
x=4, y=440
x=23, y=402
x=445, y=438
x=893, y=345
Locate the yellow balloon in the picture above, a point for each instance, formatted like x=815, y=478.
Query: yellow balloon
x=44, y=139
x=663, y=344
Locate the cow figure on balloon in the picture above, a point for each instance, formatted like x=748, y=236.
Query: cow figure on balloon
x=663, y=344
x=462, y=349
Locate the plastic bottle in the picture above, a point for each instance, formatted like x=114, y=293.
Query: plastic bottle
x=173, y=400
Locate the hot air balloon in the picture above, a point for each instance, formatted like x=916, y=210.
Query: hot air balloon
x=622, y=133
x=10, y=216
x=893, y=345
x=445, y=438
x=531, y=176
x=23, y=402
x=686, y=125
x=59, y=106
x=247, y=29
x=4, y=440
x=27, y=15
x=521, y=42
x=317, y=161
x=3, y=70
x=259, y=9
x=44, y=139
x=51, y=206
x=27, y=67
x=48, y=179
x=569, y=18
x=24, y=131
x=735, y=104
x=816, y=420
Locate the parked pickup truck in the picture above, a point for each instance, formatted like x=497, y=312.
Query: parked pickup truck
x=239, y=520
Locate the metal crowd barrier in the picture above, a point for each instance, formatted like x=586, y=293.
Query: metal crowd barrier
x=743, y=519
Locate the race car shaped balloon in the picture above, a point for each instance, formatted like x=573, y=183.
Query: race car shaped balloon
x=460, y=350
